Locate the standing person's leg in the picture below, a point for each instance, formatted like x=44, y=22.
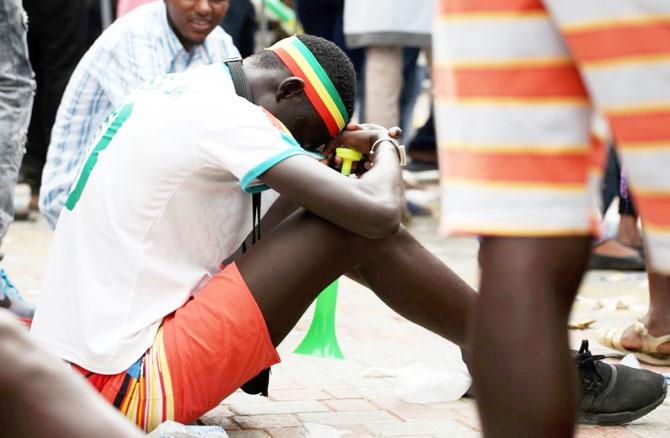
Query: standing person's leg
x=612, y=252
x=639, y=118
x=526, y=291
x=324, y=18
x=411, y=87
x=628, y=232
x=512, y=118
x=612, y=179
x=383, y=83
x=655, y=324
x=16, y=96
x=319, y=17
x=57, y=39
x=240, y=23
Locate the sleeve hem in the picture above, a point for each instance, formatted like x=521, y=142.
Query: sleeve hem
x=263, y=167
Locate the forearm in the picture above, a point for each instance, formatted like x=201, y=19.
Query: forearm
x=384, y=180
x=370, y=206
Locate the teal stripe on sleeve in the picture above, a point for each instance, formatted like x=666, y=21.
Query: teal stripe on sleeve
x=288, y=138
x=263, y=167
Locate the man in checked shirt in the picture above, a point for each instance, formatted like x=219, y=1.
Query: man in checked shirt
x=152, y=40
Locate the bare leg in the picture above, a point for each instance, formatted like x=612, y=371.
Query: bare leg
x=383, y=82
x=524, y=376
x=657, y=319
x=628, y=232
x=291, y=265
x=39, y=396
x=614, y=248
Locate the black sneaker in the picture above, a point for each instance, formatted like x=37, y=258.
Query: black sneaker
x=615, y=394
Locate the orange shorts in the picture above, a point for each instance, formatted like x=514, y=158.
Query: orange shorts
x=203, y=352
x=516, y=86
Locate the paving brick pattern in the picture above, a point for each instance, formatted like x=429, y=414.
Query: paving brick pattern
x=347, y=395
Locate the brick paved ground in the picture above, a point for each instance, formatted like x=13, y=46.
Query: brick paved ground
x=306, y=391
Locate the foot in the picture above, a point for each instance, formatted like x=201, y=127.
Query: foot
x=631, y=339
x=615, y=394
x=11, y=299
x=613, y=248
x=611, y=254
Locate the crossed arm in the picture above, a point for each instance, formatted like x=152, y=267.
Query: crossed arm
x=370, y=206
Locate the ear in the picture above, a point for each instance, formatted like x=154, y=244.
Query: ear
x=289, y=87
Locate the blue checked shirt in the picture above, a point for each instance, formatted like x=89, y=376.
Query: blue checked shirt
x=136, y=48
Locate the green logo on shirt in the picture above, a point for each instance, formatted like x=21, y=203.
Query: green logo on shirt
x=116, y=120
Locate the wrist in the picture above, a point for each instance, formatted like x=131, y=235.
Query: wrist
x=384, y=142
x=375, y=137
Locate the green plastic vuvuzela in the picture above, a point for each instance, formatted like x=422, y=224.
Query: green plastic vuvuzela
x=321, y=339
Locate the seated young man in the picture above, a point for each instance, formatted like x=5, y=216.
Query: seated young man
x=134, y=296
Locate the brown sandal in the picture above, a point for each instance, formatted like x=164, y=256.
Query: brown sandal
x=648, y=353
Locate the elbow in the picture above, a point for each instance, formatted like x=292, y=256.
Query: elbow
x=386, y=223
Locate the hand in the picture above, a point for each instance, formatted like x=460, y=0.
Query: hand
x=360, y=137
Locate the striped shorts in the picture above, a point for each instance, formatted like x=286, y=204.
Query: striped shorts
x=517, y=83
x=202, y=353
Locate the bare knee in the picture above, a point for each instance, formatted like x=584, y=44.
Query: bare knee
x=14, y=340
x=13, y=337
x=21, y=357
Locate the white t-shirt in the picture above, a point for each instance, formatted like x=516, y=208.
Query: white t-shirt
x=161, y=200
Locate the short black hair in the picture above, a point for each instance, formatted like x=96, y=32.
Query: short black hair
x=334, y=61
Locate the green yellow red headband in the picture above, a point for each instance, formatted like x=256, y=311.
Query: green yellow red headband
x=318, y=87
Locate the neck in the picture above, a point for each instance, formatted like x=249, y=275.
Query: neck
x=186, y=44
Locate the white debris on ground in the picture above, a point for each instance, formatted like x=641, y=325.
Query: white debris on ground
x=172, y=429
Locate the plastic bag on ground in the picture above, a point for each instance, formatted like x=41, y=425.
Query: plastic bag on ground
x=419, y=383
x=172, y=429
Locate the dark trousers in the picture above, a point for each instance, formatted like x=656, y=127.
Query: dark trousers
x=612, y=187
x=57, y=38
x=324, y=18
x=240, y=23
